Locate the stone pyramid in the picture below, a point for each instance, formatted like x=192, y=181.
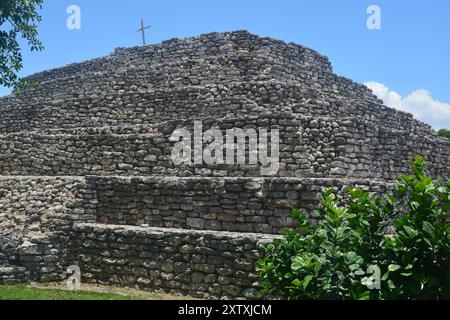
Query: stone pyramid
x=87, y=177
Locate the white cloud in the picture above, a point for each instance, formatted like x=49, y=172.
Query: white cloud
x=420, y=103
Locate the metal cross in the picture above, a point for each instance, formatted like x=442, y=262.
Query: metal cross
x=142, y=29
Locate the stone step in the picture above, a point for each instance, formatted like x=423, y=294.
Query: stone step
x=308, y=147
x=147, y=150
x=246, y=51
x=10, y=275
x=261, y=205
x=142, y=105
x=258, y=205
x=202, y=264
x=145, y=106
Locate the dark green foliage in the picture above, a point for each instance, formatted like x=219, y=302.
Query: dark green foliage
x=444, y=133
x=18, y=18
x=405, y=235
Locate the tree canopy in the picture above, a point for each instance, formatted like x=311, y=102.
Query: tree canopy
x=18, y=19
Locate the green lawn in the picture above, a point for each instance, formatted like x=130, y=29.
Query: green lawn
x=24, y=292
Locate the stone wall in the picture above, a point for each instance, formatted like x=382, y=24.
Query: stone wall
x=372, y=151
x=130, y=106
x=261, y=205
x=36, y=215
x=309, y=147
x=207, y=264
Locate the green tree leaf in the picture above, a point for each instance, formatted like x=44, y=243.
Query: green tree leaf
x=393, y=267
x=20, y=18
x=428, y=228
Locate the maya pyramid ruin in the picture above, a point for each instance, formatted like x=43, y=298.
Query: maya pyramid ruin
x=86, y=176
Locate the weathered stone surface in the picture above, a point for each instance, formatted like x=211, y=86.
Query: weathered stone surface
x=329, y=125
x=196, y=267
x=248, y=213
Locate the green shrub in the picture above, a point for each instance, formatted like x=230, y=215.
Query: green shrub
x=366, y=246
x=444, y=133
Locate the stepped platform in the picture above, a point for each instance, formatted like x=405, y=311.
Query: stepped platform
x=202, y=264
x=308, y=147
x=130, y=106
x=87, y=179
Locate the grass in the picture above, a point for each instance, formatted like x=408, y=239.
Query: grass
x=24, y=292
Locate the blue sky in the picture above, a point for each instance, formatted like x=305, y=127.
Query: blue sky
x=409, y=55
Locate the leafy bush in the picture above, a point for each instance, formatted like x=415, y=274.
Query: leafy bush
x=366, y=246
x=444, y=133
